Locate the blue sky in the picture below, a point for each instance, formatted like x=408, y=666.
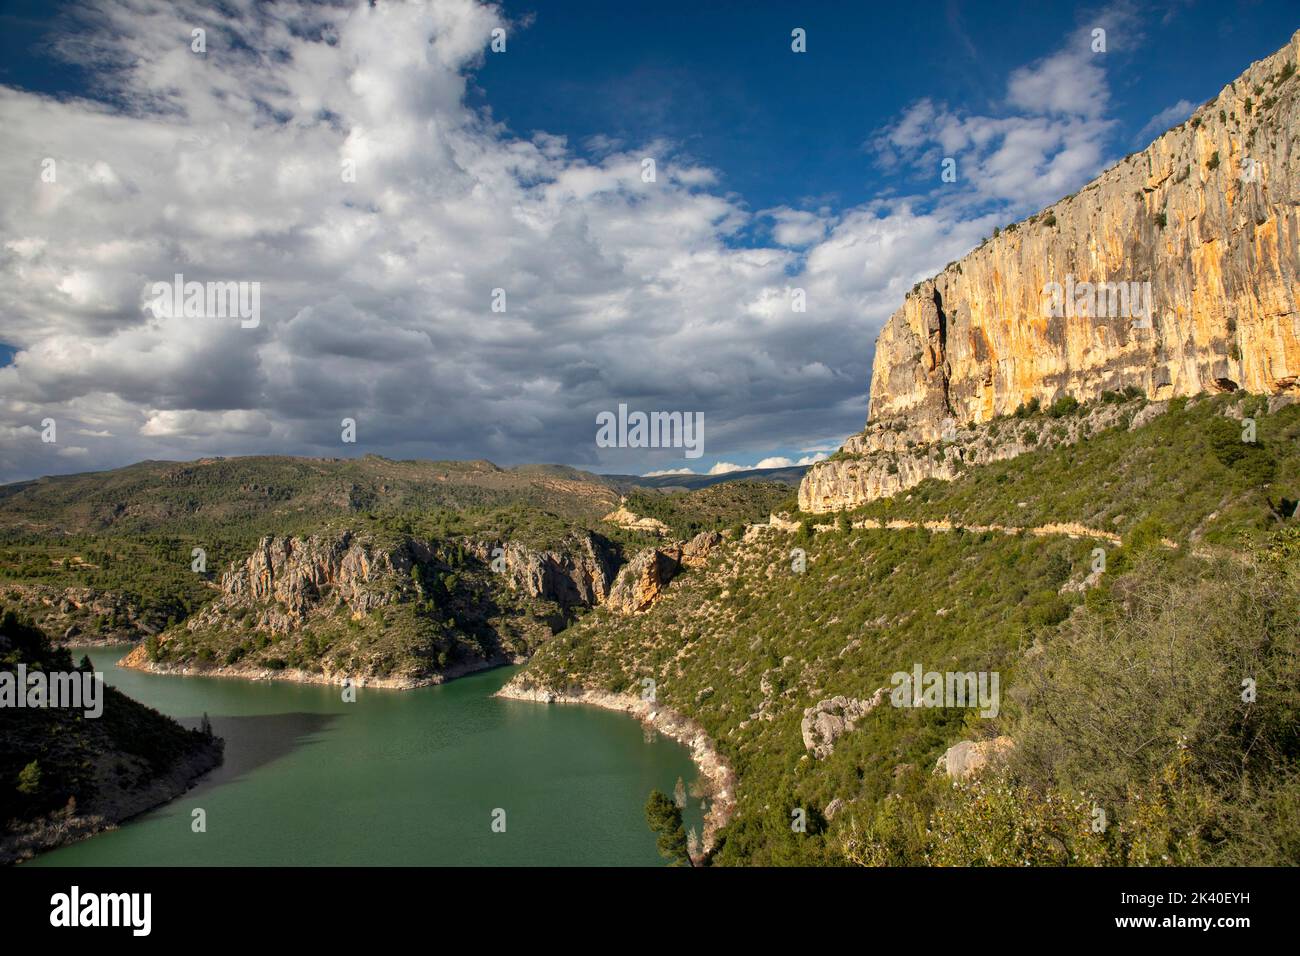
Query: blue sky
x=517, y=170
x=785, y=129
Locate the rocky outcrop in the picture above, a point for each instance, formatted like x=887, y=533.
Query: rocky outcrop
x=969, y=757
x=827, y=720
x=695, y=553
x=1208, y=215
x=886, y=459
x=80, y=615
x=580, y=572
x=643, y=580
x=634, y=522
x=286, y=578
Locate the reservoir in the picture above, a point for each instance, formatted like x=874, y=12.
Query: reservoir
x=409, y=778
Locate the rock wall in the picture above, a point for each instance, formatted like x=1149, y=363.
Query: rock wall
x=1208, y=215
x=580, y=572
x=885, y=459
x=296, y=575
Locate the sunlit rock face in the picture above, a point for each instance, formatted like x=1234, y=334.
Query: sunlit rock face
x=1202, y=226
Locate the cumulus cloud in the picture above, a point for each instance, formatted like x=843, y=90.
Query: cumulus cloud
x=1047, y=136
x=327, y=152
x=725, y=468
x=781, y=461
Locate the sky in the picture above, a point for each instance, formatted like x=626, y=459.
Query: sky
x=460, y=248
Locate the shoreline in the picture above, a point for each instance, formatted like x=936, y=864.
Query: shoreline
x=704, y=752
x=294, y=675
x=61, y=828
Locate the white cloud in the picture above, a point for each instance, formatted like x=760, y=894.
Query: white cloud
x=376, y=294
x=780, y=461
x=797, y=227
x=725, y=468
x=1047, y=137
x=667, y=471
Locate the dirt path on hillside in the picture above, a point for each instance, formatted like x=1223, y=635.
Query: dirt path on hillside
x=1068, y=528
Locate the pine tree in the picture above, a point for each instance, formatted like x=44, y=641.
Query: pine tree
x=665, y=819
x=29, y=779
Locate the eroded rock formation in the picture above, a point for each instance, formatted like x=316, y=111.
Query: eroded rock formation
x=968, y=757
x=1208, y=215
x=580, y=572
x=643, y=579
x=827, y=720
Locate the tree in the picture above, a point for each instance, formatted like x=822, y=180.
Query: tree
x=665, y=820
x=29, y=780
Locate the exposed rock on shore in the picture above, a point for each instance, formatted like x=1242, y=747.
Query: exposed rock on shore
x=704, y=753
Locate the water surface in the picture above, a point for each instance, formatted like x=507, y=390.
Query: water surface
x=396, y=778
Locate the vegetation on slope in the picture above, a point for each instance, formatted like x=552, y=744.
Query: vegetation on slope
x=746, y=644
x=1187, y=470
x=133, y=532
x=53, y=758
x=710, y=509
x=449, y=612
x=1158, y=727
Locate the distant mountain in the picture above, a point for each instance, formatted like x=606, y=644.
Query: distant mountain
x=786, y=476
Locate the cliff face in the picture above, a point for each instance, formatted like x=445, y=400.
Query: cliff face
x=1208, y=215
x=578, y=573
x=885, y=460
x=395, y=610
x=286, y=578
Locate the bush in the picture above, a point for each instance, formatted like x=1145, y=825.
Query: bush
x=1158, y=727
x=1251, y=460
x=1065, y=405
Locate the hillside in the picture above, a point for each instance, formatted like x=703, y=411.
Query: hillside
x=394, y=573
x=111, y=555
x=64, y=775
x=756, y=652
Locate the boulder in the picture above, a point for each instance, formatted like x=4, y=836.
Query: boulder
x=963, y=759
x=827, y=720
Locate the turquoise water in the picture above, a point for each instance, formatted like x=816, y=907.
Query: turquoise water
x=396, y=778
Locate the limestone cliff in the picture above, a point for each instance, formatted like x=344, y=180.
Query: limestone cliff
x=387, y=609
x=579, y=572
x=1208, y=215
